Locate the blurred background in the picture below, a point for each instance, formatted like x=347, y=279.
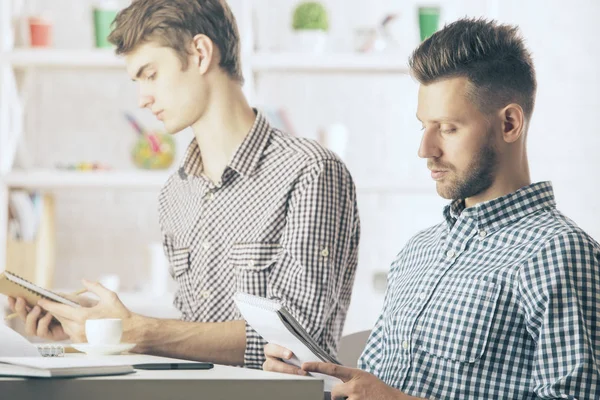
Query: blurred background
x=81, y=166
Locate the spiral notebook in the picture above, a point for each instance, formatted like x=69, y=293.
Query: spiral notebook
x=14, y=286
x=276, y=325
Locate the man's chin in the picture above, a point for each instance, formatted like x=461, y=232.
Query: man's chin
x=444, y=191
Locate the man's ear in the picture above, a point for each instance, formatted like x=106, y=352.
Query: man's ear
x=203, y=53
x=513, y=122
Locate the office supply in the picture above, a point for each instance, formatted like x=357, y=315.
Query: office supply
x=77, y=293
x=14, y=345
x=179, y=366
x=15, y=286
x=276, y=325
x=44, y=367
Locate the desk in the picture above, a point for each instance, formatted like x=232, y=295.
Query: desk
x=219, y=383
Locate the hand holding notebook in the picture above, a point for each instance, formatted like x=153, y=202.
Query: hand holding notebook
x=13, y=285
x=276, y=325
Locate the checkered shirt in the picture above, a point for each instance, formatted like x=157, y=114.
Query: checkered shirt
x=282, y=224
x=500, y=301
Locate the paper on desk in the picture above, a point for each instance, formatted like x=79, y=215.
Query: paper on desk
x=14, y=345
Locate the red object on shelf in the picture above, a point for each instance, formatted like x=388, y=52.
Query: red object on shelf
x=40, y=31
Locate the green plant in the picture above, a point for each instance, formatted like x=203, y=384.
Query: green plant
x=310, y=15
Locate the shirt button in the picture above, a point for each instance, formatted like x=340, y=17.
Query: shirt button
x=482, y=233
x=206, y=246
x=251, y=263
x=422, y=296
x=405, y=345
x=205, y=294
x=325, y=252
x=450, y=254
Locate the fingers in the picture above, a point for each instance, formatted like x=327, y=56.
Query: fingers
x=31, y=321
x=43, y=326
x=339, y=392
x=11, y=303
x=100, y=291
x=276, y=351
x=343, y=373
x=276, y=365
x=59, y=310
x=21, y=308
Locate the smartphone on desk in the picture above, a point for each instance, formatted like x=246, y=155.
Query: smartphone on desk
x=175, y=366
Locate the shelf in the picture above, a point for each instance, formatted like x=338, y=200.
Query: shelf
x=22, y=58
x=55, y=179
x=342, y=62
x=303, y=62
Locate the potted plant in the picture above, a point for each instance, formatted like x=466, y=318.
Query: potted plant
x=310, y=24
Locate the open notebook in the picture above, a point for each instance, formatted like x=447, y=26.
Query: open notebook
x=61, y=367
x=14, y=286
x=276, y=325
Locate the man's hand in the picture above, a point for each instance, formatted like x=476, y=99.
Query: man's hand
x=274, y=363
x=37, y=322
x=358, y=384
x=73, y=319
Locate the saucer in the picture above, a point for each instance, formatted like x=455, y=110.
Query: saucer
x=103, y=349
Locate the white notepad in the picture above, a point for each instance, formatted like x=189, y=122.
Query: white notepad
x=43, y=367
x=276, y=325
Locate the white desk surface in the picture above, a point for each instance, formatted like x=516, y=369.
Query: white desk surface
x=221, y=382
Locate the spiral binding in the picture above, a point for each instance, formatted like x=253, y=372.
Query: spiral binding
x=51, y=350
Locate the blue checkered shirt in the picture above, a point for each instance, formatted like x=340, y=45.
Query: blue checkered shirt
x=500, y=301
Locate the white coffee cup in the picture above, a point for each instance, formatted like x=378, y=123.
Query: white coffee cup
x=101, y=332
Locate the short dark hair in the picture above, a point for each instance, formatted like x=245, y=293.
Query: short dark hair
x=174, y=23
x=492, y=56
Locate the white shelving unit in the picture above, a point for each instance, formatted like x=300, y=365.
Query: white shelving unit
x=12, y=103
x=52, y=180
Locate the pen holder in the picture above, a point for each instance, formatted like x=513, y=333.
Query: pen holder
x=153, y=151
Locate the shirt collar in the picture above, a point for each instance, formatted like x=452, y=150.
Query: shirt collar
x=244, y=160
x=494, y=214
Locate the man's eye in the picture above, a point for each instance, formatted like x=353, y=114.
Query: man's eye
x=449, y=130
x=151, y=77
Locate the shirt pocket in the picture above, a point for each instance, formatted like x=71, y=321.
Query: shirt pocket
x=457, y=322
x=179, y=260
x=179, y=265
x=252, y=264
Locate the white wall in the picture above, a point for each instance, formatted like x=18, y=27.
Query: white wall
x=76, y=115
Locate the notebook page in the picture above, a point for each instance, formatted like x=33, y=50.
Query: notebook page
x=14, y=345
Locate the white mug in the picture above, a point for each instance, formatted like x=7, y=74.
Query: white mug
x=100, y=332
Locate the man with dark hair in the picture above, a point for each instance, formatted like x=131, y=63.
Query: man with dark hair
x=500, y=300
x=251, y=209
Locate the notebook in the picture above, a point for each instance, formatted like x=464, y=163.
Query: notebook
x=276, y=325
x=14, y=286
x=61, y=367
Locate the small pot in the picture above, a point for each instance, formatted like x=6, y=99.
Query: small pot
x=309, y=41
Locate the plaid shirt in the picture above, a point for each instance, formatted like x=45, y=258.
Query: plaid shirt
x=282, y=223
x=500, y=301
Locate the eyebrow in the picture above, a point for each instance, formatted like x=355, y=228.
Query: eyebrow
x=141, y=71
x=443, y=119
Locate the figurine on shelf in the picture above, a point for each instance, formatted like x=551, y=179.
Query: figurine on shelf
x=377, y=38
x=152, y=150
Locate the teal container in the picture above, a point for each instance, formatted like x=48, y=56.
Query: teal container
x=103, y=18
x=429, y=21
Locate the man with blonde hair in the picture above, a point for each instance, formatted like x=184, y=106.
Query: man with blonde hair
x=251, y=209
